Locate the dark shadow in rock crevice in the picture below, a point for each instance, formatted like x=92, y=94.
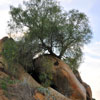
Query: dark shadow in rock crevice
x=35, y=75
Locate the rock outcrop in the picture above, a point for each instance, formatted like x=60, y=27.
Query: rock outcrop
x=87, y=87
x=69, y=86
x=63, y=78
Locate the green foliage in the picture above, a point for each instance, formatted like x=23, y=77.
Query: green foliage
x=10, y=54
x=75, y=59
x=9, y=50
x=17, y=52
x=26, y=51
x=51, y=28
x=5, y=82
x=43, y=90
x=45, y=71
x=46, y=79
x=46, y=92
x=3, y=85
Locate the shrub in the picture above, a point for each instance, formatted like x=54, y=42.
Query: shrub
x=5, y=82
x=46, y=92
x=45, y=71
x=10, y=52
x=46, y=79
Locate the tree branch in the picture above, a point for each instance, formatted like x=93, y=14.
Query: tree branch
x=65, y=47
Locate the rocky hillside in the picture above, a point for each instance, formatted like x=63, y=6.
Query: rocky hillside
x=23, y=85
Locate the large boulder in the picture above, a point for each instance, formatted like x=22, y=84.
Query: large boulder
x=63, y=77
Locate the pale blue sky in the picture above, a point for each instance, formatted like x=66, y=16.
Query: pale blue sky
x=91, y=8
x=90, y=69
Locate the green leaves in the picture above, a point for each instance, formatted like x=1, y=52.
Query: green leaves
x=46, y=78
x=51, y=27
x=5, y=82
x=10, y=54
x=10, y=50
x=45, y=72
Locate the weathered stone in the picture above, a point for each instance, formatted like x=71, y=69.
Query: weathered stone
x=88, y=91
x=39, y=96
x=25, y=77
x=1, y=92
x=54, y=95
x=3, y=75
x=87, y=87
x=58, y=95
x=2, y=96
x=63, y=78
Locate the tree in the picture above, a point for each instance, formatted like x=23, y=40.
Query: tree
x=61, y=33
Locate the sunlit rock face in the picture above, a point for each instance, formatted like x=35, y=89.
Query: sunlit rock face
x=63, y=78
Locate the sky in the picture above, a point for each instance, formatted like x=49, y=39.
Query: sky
x=90, y=68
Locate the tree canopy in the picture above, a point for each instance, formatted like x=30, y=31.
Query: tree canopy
x=50, y=28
